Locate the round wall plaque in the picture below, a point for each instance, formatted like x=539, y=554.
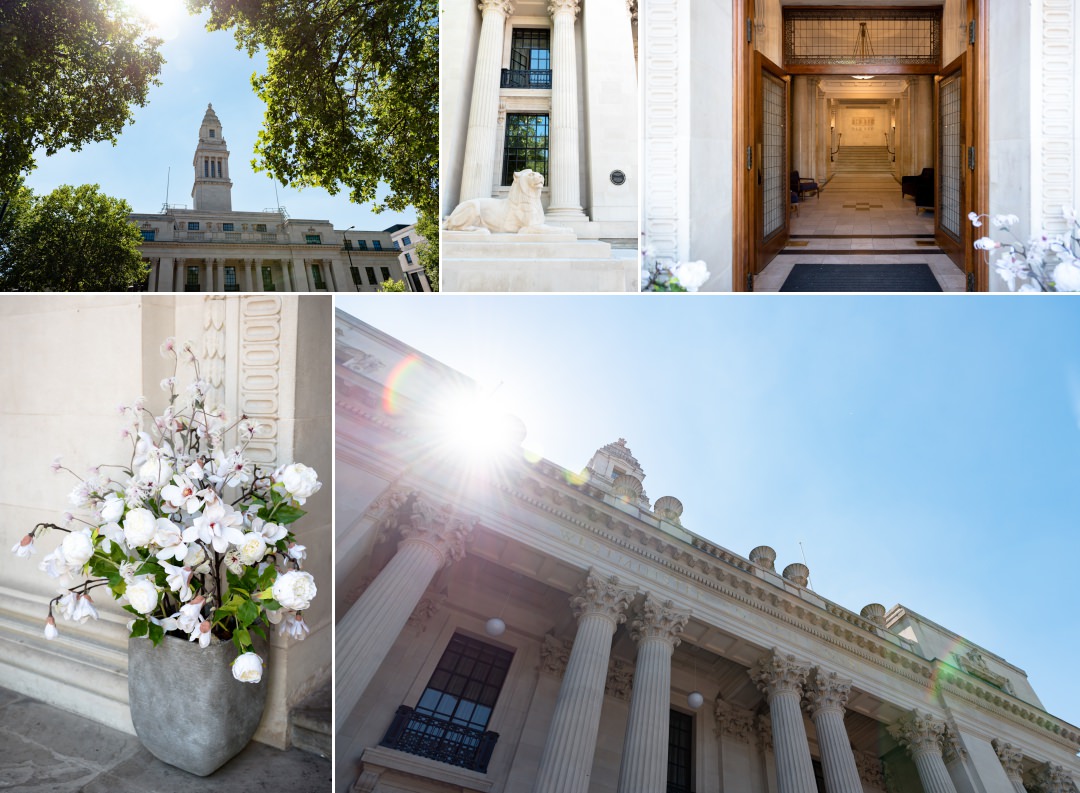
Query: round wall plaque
x=618, y=177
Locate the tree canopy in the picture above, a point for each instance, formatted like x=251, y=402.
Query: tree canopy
x=75, y=239
x=351, y=93
x=427, y=252
x=70, y=70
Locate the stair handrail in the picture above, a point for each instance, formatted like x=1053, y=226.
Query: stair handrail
x=891, y=151
x=832, y=154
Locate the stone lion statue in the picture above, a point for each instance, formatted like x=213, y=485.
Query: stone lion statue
x=521, y=213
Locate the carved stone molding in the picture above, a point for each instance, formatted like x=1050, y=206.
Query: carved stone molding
x=656, y=620
x=603, y=596
x=974, y=664
x=919, y=732
x=554, y=655
x=1058, y=117
x=504, y=7
x=763, y=723
x=779, y=673
x=427, y=608
x=826, y=691
x=620, y=679
x=1012, y=759
x=951, y=748
x=661, y=113
x=260, y=362
x=364, y=363
x=734, y=722
x=439, y=527
x=367, y=782
x=871, y=769
x=1053, y=778
x=558, y=7
x=213, y=349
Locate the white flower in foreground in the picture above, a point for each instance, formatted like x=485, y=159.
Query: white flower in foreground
x=233, y=563
x=179, y=580
x=182, y=493
x=271, y=532
x=112, y=508
x=127, y=571
x=50, y=629
x=140, y=526
x=974, y=218
x=55, y=565
x=201, y=632
x=230, y=469
x=188, y=618
x=24, y=548
x=142, y=595
x=80, y=495
x=217, y=525
x=196, y=560
x=247, y=668
x=1067, y=277
x=253, y=548
x=986, y=244
x=84, y=609
x=169, y=540
x=78, y=547
x=153, y=463
x=1004, y=221
x=294, y=626
x=299, y=481
x=691, y=275
x=297, y=551
x=295, y=590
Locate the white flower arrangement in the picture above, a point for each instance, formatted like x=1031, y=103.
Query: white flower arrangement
x=192, y=537
x=1048, y=263
x=662, y=275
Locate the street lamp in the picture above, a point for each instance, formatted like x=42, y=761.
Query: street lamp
x=348, y=250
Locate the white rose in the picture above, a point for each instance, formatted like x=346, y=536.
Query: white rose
x=253, y=549
x=294, y=590
x=112, y=508
x=247, y=668
x=1067, y=277
x=142, y=595
x=139, y=527
x=299, y=481
x=78, y=548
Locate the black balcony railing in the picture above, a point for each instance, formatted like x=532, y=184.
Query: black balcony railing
x=436, y=739
x=526, y=78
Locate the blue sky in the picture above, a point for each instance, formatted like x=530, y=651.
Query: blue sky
x=201, y=67
x=923, y=451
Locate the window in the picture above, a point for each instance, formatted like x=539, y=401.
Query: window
x=316, y=275
x=417, y=285
x=226, y=226
x=348, y=244
x=408, y=258
x=385, y=273
x=356, y=279
x=260, y=227
x=449, y=722
x=406, y=241
x=680, y=746
x=193, y=225
x=268, y=279
x=526, y=145
x=191, y=283
x=361, y=244
x=206, y=168
x=530, y=59
x=211, y=133
x=376, y=245
x=371, y=275
x=148, y=235
x=313, y=239
x=397, y=247
x=230, y=279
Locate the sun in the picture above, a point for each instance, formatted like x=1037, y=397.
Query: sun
x=164, y=16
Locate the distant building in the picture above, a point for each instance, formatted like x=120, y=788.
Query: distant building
x=405, y=242
x=212, y=248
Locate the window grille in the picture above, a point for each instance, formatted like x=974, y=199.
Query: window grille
x=385, y=273
x=268, y=279
x=526, y=145
x=951, y=156
x=316, y=275
x=371, y=275
x=356, y=275
x=815, y=37
x=775, y=191
x=530, y=59
x=680, y=752
x=376, y=245
x=230, y=280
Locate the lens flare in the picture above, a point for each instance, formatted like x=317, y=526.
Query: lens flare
x=398, y=375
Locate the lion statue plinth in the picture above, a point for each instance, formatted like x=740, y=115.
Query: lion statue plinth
x=521, y=213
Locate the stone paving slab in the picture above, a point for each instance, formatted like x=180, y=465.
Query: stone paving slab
x=44, y=749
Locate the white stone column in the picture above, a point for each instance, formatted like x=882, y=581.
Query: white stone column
x=568, y=753
x=166, y=274
x=826, y=695
x=287, y=274
x=431, y=539
x=246, y=284
x=922, y=122
x=478, y=170
x=564, y=172
x=308, y=278
x=331, y=279
x=1012, y=761
x=645, y=750
x=781, y=678
x=921, y=735
x=180, y=275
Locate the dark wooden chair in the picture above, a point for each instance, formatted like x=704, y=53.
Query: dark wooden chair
x=924, y=196
x=909, y=185
x=802, y=186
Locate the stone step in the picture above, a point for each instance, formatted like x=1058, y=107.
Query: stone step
x=311, y=723
x=538, y=275
x=521, y=246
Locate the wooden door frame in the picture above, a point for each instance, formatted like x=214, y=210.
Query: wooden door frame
x=742, y=251
x=954, y=249
x=769, y=248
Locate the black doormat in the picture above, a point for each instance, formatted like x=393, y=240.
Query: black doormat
x=861, y=278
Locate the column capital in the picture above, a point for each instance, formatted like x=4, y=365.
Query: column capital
x=504, y=7
x=438, y=527
x=871, y=771
x=1012, y=759
x=601, y=595
x=920, y=733
x=778, y=673
x=826, y=691
x=732, y=721
x=1053, y=778
x=658, y=620
x=559, y=7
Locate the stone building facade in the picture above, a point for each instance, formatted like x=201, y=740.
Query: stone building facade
x=212, y=248
x=511, y=625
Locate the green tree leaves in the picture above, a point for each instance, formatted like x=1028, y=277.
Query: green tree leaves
x=75, y=239
x=70, y=70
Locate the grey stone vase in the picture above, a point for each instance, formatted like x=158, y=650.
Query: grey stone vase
x=187, y=708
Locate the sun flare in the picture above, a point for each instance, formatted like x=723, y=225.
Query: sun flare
x=164, y=16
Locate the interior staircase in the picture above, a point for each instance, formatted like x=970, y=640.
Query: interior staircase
x=863, y=159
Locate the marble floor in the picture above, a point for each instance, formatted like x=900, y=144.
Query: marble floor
x=860, y=218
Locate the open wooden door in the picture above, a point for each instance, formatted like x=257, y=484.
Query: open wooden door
x=772, y=194
x=953, y=162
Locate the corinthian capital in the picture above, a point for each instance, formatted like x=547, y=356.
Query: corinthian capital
x=919, y=733
x=1053, y=778
x=438, y=527
x=557, y=7
x=826, y=691
x=504, y=7
x=658, y=620
x=733, y=721
x=602, y=595
x=778, y=673
x=1012, y=759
